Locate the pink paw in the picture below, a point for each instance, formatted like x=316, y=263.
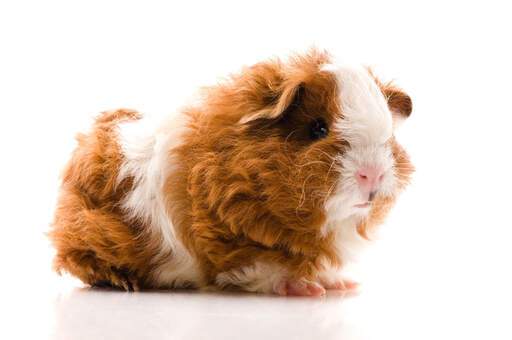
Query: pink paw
x=342, y=285
x=300, y=287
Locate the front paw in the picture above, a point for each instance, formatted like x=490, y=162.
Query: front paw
x=299, y=287
x=340, y=284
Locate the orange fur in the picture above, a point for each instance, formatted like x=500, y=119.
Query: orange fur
x=92, y=238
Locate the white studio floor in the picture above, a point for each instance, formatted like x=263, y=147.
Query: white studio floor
x=102, y=314
x=83, y=314
x=80, y=313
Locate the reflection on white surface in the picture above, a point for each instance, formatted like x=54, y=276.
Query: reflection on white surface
x=104, y=314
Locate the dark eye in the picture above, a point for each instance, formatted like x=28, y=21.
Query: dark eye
x=318, y=129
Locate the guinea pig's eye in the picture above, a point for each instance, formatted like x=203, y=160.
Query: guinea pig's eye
x=318, y=129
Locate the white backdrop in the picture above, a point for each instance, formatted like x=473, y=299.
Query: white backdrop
x=442, y=267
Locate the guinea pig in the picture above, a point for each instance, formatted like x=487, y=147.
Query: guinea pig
x=270, y=182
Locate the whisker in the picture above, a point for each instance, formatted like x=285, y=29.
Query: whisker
x=303, y=195
x=330, y=190
x=318, y=150
x=329, y=171
x=313, y=162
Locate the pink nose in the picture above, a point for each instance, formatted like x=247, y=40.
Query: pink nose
x=369, y=180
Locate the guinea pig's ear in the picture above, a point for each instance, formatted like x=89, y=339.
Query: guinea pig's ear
x=268, y=94
x=399, y=103
x=278, y=102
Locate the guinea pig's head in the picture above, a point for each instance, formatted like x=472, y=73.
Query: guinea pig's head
x=309, y=140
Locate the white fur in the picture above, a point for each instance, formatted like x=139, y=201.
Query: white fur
x=366, y=116
x=341, y=203
x=398, y=119
x=146, y=145
x=348, y=246
x=366, y=124
x=258, y=278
